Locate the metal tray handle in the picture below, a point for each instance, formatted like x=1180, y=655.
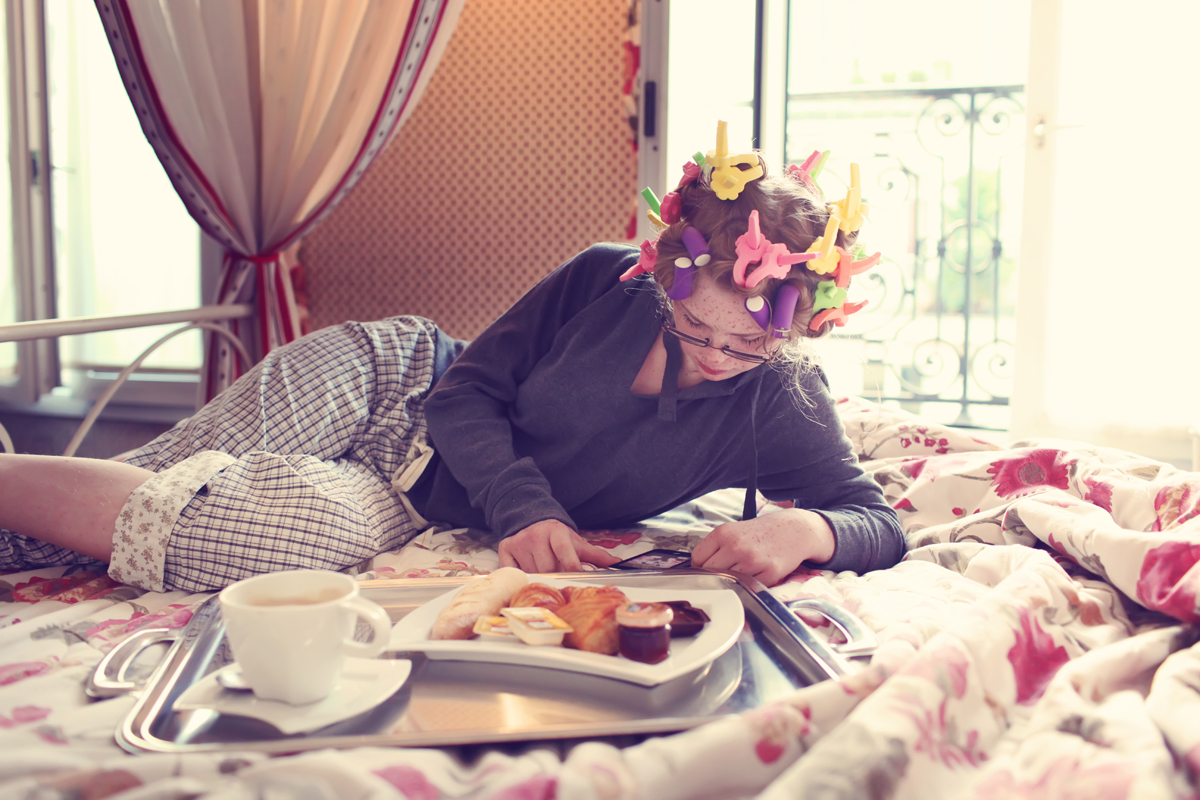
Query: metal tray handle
x=860, y=640
x=108, y=678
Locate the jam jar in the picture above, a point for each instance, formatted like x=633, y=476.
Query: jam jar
x=645, y=631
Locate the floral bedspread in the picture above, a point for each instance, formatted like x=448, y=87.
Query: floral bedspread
x=1037, y=641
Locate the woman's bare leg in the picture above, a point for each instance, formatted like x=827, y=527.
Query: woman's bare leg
x=69, y=502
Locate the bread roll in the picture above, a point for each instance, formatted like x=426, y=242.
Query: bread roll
x=481, y=597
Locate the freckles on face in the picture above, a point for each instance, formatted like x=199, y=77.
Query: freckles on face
x=720, y=316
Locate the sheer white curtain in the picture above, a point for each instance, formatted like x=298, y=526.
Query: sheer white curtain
x=1108, y=279
x=108, y=189
x=265, y=113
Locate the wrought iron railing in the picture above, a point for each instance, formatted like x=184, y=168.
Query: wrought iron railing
x=942, y=171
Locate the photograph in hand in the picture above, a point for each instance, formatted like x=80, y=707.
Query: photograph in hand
x=657, y=559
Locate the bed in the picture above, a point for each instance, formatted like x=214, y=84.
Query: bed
x=1036, y=641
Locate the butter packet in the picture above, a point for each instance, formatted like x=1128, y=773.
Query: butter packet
x=494, y=629
x=536, y=626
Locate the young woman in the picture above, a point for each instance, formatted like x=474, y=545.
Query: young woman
x=603, y=397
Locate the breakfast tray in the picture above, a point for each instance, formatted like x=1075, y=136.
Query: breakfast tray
x=455, y=703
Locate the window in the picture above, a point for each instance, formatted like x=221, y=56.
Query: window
x=928, y=98
x=708, y=82
x=119, y=240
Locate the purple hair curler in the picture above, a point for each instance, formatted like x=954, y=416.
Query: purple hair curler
x=786, y=297
x=685, y=273
x=696, y=245
x=685, y=268
x=760, y=310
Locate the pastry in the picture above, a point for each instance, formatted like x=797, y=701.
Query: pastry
x=572, y=593
x=482, y=597
x=538, y=595
x=591, y=612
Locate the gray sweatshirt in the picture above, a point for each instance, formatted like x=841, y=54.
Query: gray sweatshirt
x=536, y=420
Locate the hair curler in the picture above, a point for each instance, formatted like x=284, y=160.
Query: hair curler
x=685, y=273
x=685, y=267
x=760, y=310
x=786, y=297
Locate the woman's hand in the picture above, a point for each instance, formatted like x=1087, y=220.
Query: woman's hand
x=550, y=546
x=769, y=547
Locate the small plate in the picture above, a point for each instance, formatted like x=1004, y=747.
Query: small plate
x=364, y=684
x=411, y=634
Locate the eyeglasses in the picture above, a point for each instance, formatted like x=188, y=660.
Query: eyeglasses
x=753, y=358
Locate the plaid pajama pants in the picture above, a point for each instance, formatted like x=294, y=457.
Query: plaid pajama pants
x=291, y=467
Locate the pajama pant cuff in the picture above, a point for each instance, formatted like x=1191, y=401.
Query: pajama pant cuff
x=145, y=523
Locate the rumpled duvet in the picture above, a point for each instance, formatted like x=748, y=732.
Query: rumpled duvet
x=1037, y=641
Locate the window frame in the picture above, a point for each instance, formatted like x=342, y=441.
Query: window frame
x=32, y=223
x=40, y=384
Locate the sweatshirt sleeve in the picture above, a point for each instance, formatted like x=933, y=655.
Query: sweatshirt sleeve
x=468, y=411
x=812, y=463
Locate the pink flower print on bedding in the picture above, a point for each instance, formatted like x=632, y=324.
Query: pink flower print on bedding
x=775, y=727
x=83, y=585
x=11, y=673
x=1066, y=777
x=411, y=782
x=1176, y=504
x=1169, y=579
x=1099, y=493
x=23, y=715
x=1025, y=473
x=1035, y=658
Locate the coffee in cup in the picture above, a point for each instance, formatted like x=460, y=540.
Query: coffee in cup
x=291, y=631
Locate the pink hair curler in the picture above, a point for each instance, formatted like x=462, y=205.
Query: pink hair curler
x=836, y=315
x=802, y=172
x=759, y=310
x=691, y=171
x=777, y=263
x=775, y=260
x=847, y=266
x=670, y=209
x=645, y=262
x=786, y=298
x=751, y=246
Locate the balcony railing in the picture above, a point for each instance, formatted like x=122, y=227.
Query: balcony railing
x=942, y=170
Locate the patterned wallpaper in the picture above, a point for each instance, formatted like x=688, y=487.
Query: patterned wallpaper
x=517, y=156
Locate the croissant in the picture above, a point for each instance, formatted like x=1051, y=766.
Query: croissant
x=538, y=595
x=482, y=597
x=591, y=611
x=572, y=593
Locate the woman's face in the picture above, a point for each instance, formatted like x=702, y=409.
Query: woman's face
x=720, y=316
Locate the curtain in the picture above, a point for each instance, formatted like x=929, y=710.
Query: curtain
x=1107, y=282
x=265, y=113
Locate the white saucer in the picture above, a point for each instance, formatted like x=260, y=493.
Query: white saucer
x=364, y=684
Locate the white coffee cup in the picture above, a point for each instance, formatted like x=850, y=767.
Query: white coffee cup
x=291, y=631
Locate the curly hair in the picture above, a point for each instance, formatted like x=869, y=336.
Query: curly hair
x=790, y=211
